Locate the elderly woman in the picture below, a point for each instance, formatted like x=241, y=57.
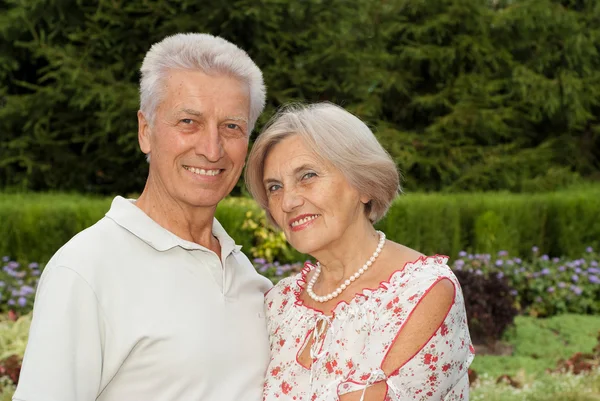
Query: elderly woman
x=371, y=319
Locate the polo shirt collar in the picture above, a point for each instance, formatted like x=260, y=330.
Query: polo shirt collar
x=126, y=214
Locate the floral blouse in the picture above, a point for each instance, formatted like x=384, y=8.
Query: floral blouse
x=350, y=345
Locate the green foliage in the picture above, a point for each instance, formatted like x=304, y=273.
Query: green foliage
x=465, y=94
x=538, y=344
x=554, y=387
x=563, y=223
x=7, y=389
x=34, y=226
x=13, y=336
x=560, y=223
x=269, y=243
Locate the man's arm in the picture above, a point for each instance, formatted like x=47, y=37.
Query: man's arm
x=63, y=358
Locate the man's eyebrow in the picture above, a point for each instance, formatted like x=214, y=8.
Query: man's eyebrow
x=237, y=118
x=192, y=112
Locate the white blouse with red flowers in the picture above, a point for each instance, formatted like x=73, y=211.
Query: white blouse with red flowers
x=350, y=345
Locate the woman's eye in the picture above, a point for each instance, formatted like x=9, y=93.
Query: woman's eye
x=187, y=121
x=308, y=175
x=274, y=187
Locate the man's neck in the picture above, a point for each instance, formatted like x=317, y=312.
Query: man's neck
x=190, y=223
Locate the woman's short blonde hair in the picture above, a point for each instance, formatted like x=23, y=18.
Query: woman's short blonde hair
x=339, y=138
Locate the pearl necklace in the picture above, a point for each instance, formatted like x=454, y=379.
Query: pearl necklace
x=338, y=291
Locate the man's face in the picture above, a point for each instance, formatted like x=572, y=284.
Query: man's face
x=199, y=137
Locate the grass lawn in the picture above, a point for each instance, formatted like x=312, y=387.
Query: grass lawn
x=540, y=343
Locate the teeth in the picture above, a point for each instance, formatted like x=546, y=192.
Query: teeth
x=201, y=171
x=304, y=220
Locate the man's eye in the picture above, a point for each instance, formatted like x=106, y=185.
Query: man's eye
x=232, y=126
x=187, y=121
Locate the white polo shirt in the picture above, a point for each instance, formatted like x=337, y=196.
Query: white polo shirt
x=128, y=311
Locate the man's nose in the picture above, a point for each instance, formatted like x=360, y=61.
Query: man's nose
x=209, y=143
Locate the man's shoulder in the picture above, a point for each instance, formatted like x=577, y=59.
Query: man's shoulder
x=91, y=246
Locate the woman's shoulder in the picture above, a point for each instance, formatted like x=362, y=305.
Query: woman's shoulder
x=404, y=264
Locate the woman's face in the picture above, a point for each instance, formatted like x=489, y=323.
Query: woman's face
x=310, y=200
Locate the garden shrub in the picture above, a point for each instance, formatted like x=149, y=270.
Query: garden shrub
x=490, y=305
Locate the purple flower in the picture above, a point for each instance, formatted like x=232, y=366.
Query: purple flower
x=593, y=270
x=589, y=249
x=509, y=262
x=514, y=293
x=545, y=257
x=2, y=284
x=594, y=279
x=545, y=272
x=538, y=299
x=576, y=290
x=11, y=302
x=500, y=275
x=562, y=268
x=462, y=254
x=499, y=262
x=22, y=301
x=34, y=265
x=260, y=261
x=5, y=259
x=503, y=253
x=561, y=285
x=550, y=289
x=535, y=249
x=26, y=290
x=478, y=272
x=575, y=278
x=518, y=261
x=555, y=260
x=593, y=263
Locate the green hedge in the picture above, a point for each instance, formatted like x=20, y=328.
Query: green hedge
x=34, y=226
x=559, y=223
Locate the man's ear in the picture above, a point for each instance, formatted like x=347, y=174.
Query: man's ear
x=144, y=133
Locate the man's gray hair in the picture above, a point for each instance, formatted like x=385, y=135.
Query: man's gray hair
x=203, y=52
x=337, y=137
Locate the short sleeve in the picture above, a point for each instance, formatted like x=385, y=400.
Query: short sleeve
x=437, y=369
x=441, y=366
x=63, y=358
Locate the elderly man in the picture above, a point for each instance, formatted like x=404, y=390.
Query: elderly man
x=156, y=301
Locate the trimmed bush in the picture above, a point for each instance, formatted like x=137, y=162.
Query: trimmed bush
x=34, y=226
